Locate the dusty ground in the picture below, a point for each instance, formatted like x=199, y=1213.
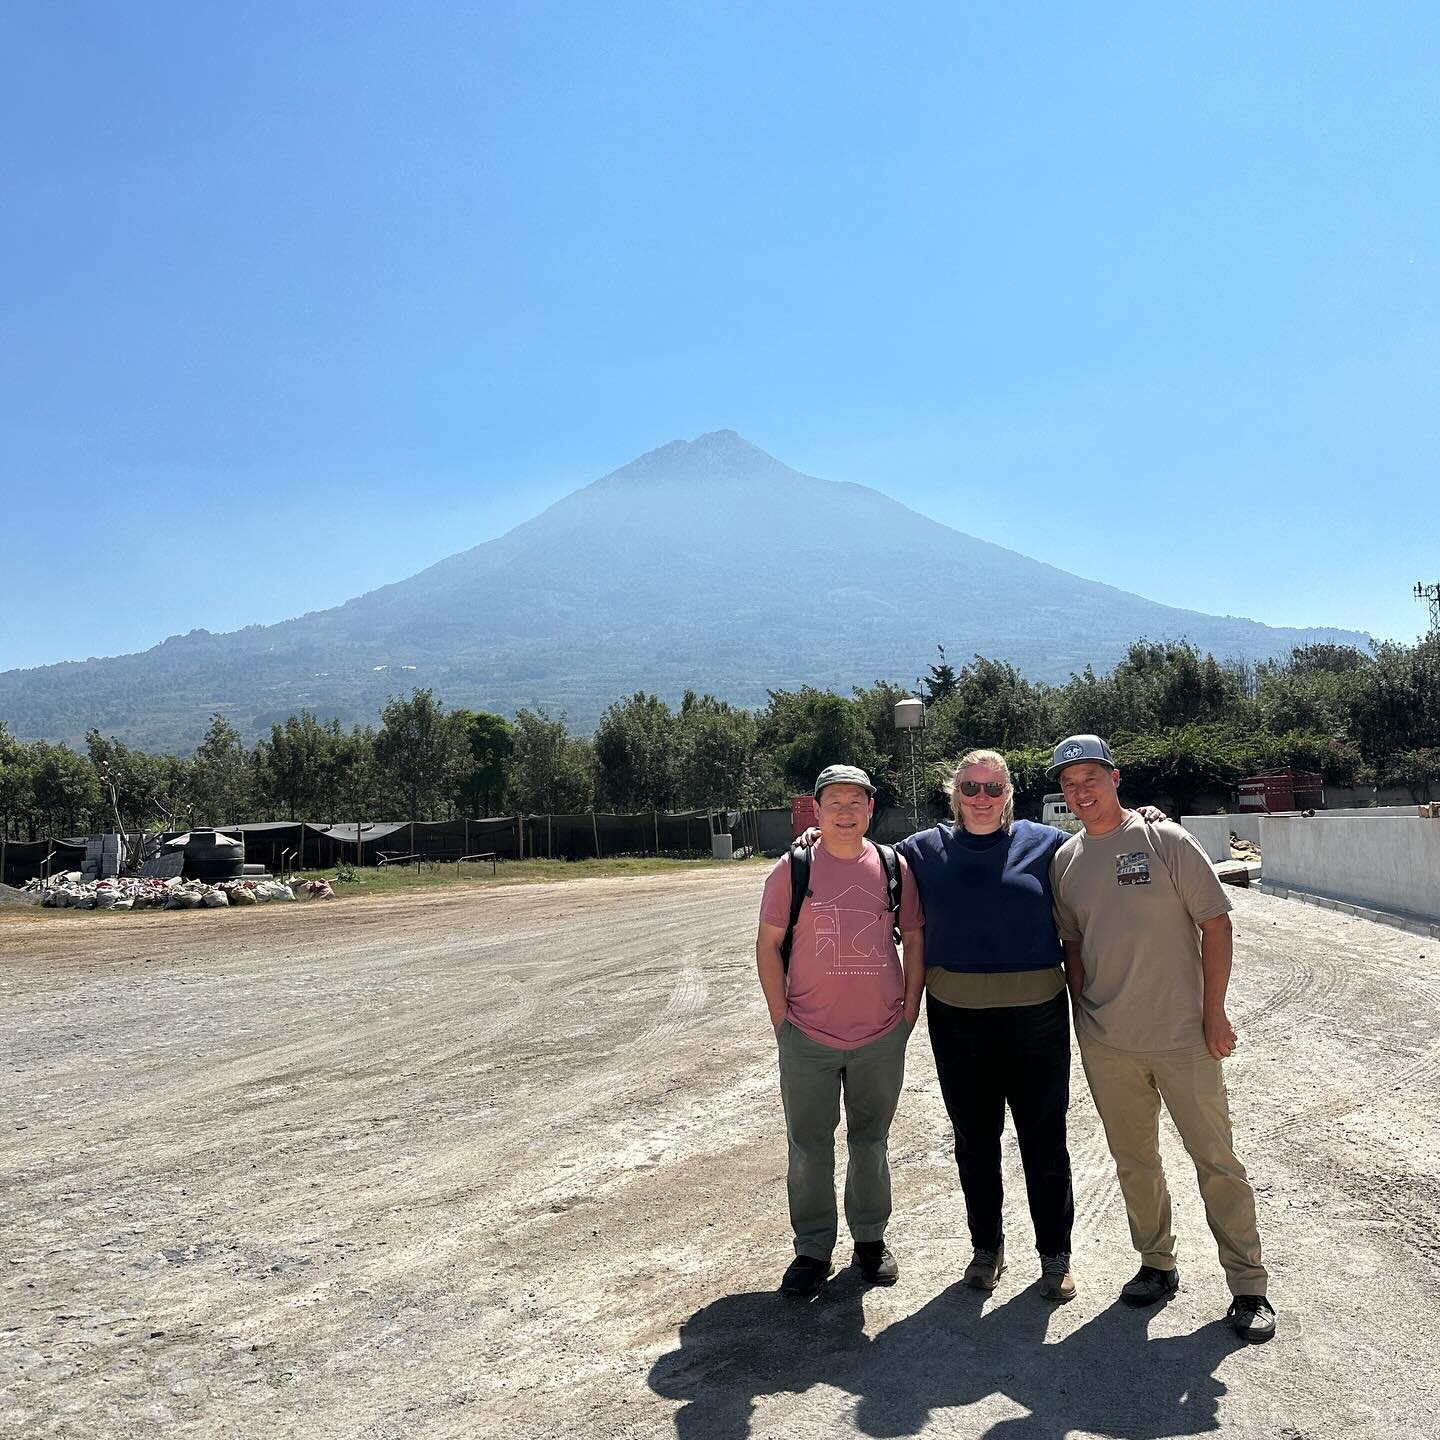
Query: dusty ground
x=510, y=1163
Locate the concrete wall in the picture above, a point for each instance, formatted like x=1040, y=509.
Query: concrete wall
x=1381, y=863
x=1214, y=831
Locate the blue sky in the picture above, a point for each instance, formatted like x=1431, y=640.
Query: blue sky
x=301, y=299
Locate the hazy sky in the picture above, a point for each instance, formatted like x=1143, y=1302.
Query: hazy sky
x=298, y=299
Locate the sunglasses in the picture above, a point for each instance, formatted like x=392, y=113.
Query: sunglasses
x=993, y=788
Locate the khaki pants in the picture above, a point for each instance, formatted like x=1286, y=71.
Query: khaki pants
x=1128, y=1089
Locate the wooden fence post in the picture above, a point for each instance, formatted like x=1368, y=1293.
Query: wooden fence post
x=595, y=829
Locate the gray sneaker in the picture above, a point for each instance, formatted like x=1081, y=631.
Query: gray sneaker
x=985, y=1268
x=1056, y=1281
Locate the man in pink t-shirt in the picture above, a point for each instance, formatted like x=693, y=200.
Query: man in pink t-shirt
x=842, y=1015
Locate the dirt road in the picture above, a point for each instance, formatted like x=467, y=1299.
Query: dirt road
x=510, y=1162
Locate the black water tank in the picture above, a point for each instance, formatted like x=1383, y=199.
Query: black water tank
x=207, y=860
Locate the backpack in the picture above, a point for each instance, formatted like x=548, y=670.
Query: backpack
x=800, y=890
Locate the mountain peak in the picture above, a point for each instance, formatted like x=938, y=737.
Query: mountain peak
x=717, y=455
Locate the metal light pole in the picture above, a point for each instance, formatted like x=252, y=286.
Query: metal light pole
x=910, y=717
x=1432, y=594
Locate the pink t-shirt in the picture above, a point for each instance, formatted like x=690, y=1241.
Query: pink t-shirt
x=845, y=986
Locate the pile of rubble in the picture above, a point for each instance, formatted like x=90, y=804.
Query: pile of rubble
x=71, y=891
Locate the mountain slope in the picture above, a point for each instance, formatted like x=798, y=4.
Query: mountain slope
x=707, y=564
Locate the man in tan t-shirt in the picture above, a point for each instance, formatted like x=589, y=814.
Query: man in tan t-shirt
x=1145, y=926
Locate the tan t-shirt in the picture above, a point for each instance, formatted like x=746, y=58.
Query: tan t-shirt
x=1134, y=899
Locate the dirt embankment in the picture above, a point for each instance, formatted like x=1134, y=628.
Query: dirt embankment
x=511, y=1162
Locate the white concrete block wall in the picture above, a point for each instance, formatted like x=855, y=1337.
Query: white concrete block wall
x=1213, y=833
x=1383, y=863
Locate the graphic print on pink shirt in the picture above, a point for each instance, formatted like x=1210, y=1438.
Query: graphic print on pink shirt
x=845, y=986
x=847, y=931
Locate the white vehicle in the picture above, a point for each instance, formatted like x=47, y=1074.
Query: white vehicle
x=1054, y=810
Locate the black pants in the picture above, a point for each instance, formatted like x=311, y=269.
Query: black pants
x=1017, y=1055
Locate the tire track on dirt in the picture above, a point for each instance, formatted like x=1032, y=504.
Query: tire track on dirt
x=1417, y=1073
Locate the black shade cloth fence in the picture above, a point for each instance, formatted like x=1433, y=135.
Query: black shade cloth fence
x=303, y=845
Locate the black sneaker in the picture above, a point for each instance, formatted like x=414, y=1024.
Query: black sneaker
x=877, y=1264
x=1253, y=1318
x=805, y=1275
x=1150, y=1285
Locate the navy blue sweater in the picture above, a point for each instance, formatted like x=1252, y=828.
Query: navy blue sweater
x=986, y=897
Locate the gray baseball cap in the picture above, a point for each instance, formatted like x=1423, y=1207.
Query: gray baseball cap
x=842, y=775
x=1074, y=749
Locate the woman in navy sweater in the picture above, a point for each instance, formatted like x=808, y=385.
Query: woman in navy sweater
x=997, y=1011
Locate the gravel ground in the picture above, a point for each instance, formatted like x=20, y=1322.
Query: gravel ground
x=510, y=1162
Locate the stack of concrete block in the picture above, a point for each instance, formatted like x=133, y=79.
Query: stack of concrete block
x=104, y=855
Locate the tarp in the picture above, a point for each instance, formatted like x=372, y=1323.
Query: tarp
x=25, y=859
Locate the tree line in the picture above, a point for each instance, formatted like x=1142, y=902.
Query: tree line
x=1180, y=721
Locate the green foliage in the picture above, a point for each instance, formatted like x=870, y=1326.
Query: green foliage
x=1182, y=725
x=714, y=755
x=992, y=707
x=423, y=756
x=551, y=771
x=939, y=680
x=634, y=754
x=806, y=730
x=492, y=742
x=223, y=780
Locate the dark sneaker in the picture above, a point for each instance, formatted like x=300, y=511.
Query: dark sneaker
x=1056, y=1281
x=876, y=1263
x=985, y=1268
x=805, y=1275
x=1253, y=1318
x=1150, y=1285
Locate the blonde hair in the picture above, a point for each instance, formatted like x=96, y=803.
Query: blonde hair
x=991, y=760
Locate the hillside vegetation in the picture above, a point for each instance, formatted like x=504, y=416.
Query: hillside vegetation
x=1180, y=721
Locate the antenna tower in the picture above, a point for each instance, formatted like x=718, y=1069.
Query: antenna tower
x=1432, y=594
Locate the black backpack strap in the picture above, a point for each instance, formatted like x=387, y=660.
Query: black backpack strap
x=891, y=861
x=799, y=892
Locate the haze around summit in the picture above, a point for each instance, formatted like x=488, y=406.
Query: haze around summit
x=302, y=303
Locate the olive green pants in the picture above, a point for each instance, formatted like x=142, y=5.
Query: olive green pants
x=1127, y=1089
x=813, y=1079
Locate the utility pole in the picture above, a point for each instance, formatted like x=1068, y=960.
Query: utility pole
x=1432, y=594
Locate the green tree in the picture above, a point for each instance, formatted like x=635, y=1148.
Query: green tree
x=1156, y=686
x=635, y=754
x=222, y=776
x=993, y=707
x=148, y=790
x=551, y=771
x=940, y=680
x=492, y=741
x=17, y=795
x=715, y=760
x=423, y=755
x=296, y=766
x=1399, y=707
x=803, y=731
x=354, y=789
x=65, y=792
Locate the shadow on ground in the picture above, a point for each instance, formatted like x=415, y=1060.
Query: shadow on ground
x=1108, y=1377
